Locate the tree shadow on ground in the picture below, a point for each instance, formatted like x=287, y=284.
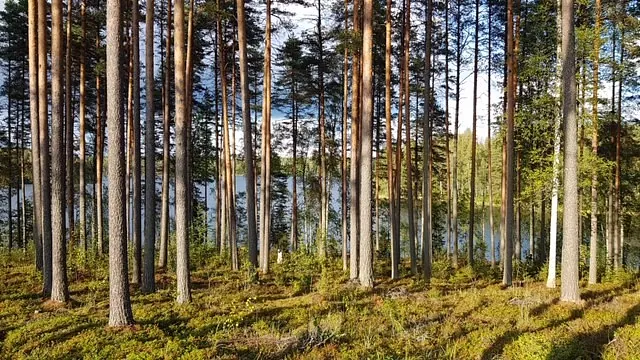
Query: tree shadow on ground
x=592, y=344
x=592, y=298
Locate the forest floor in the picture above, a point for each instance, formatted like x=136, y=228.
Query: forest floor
x=294, y=313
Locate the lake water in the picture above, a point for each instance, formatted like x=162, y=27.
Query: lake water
x=307, y=226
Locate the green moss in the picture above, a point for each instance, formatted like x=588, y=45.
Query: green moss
x=308, y=310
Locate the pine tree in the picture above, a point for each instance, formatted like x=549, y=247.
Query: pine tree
x=120, y=313
x=148, y=274
x=569, y=290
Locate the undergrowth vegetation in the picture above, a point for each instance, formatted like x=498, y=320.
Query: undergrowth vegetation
x=308, y=309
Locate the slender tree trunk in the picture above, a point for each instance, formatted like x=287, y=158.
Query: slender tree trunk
x=166, y=159
x=252, y=240
x=99, y=163
x=265, y=173
x=43, y=133
x=68, y=112
x=182, y=168
x=618, y=196
x=448, y=239
x=407, y=102
x=551, y=277
x=611, y=214
x=60, y=284
x=345, y=115
x=509, y=165
x=426, y=153
x=454, y=196
x=137, y=157
x=355, y=137
x=571, y=243
x=472, y=198
x=120, y=313
x=34, y=112
x=395, y=247
x=489, y=160
x=366, y=246
x=82, y=120
x=148, y=278
x=219, y=213
x=294, y=205
x=129, y=143
x=188, y=74
x=324, y=197
x=395, y=242
x=23, y=194
x=10, y=167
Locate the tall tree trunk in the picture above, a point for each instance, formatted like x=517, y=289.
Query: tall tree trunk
x=324, y=197
x=228, y=183
x=182, y=168
x=68, y=111
x=43, y=133
x=166, y=155
x=395, y=241
x=472, y=197
x=489, y=160
x=10, y=163
x=188, y=74
x=120, y=313
x=252, y=240
x=571, y=243
x=355, y=137
x=551, y=277
x=137, y=157
x=23, y=195
x=34, y=112
x=99, y=163
x=265, y=173
x=426, y=153
x=216, y=92
x=448, y=239
x=407, y=104
x=148, y=278
x=129, y=139
x=59, y=282
x=345, y=115
x=366, y=246
x=612, y=199
x=618, y=196
x=395, y=247
x=509, y=166
x=82, y=120
x=294, y=205
x=454, y=196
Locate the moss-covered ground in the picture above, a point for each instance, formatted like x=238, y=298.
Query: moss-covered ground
x=305, y=311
